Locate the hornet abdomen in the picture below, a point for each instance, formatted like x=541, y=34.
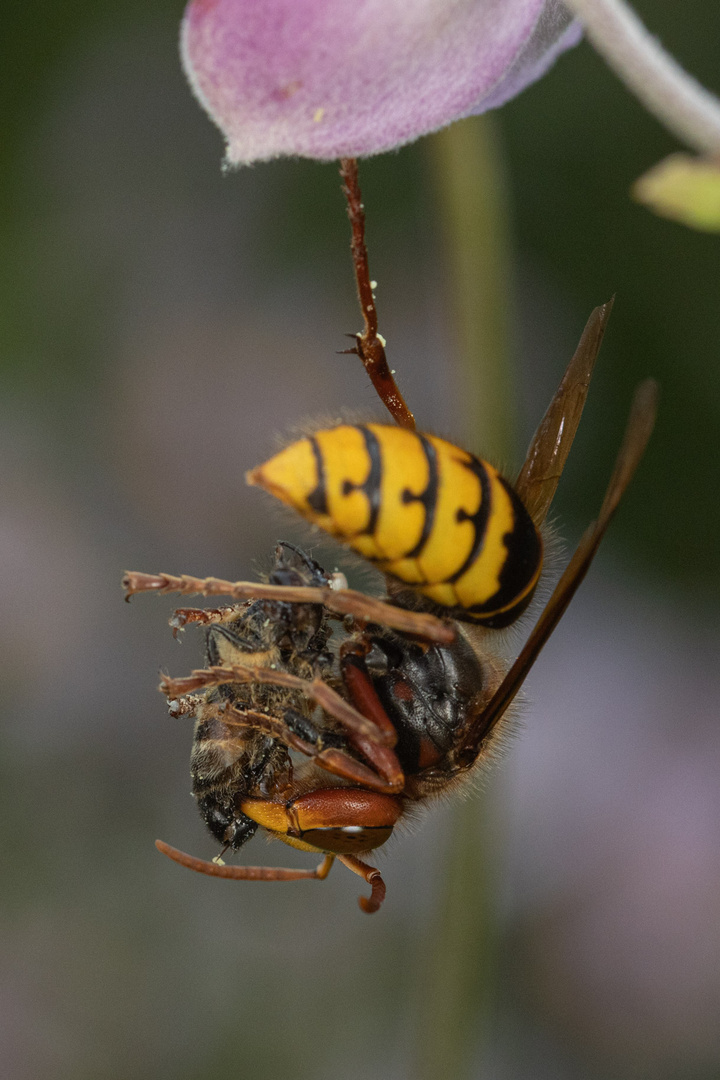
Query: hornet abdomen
x=421, y=509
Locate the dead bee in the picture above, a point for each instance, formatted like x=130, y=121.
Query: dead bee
x=390, y=702
x=228, y=763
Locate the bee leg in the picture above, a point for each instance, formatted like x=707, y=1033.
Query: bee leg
x=314, y=690
x=370, y=346
x=360, y=687
x=364, y=696
x=298, y=733
x=361, y=731
x=200, y=616
x=389, y=776
x=339, y=601
x=373, y=878
x=374, y=740
x=245, y=873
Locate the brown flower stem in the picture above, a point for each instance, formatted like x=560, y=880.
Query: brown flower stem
x=370, y=346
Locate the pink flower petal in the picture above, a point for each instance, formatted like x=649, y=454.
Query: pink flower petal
x=334, y=78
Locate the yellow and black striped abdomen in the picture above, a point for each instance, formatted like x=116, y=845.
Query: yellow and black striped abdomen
x=419, y=508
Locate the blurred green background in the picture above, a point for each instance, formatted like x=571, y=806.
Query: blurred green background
x=160, y=323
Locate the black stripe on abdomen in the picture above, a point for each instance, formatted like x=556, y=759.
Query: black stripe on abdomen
x=428, y=497
x=371, y=487
x=523, y=556
x=478, y=520
x=317, y=499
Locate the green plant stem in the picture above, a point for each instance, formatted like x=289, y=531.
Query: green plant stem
x=457, y=966
x=472, y=202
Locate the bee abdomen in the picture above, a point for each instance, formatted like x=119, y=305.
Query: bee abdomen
x=431, y=514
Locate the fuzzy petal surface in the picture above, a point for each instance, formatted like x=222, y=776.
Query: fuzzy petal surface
x=349, y=78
